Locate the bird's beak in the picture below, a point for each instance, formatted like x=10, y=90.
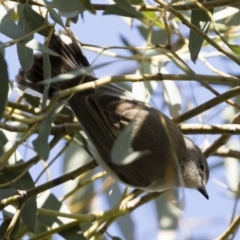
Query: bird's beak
x=203, y=191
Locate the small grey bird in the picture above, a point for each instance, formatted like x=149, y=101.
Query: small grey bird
x=104, y=112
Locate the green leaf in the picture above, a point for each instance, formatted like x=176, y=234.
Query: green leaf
x=29, y=214
x=235, y=48
x=9, y=28
x=55, y=17
x=159, y=36
x=33, y=101
x=88, y=5
x=25, y=55
x=195, y=41
x=168, y=214
x=125, y=223
x=122, y=152
x=4, y=225
x=7, y=215
x=46, y=74
x=3, y=141
x=122, y=146
x=2, y=49
x=122, y=8
x=172, y=98
x=41, y=142
x=48, y=201
x=153, y=19
x=29, y=210
x=4, y=84
x=35, y=20
x=75, y=73
x=128, y=44
x=68, y=9
x=35, y=45
x=136, y=2
x=5, y=193
x=116, y=238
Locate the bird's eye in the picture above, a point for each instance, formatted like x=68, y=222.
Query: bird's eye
x=202, y=167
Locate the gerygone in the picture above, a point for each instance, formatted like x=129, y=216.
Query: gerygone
x=103, y=112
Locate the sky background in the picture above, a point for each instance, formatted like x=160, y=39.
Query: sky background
x=201, y=219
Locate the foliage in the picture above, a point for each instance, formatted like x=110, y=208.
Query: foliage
x=175, y=35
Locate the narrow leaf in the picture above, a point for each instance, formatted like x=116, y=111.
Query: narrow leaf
x=122, y=152
x=41, y=142
x=29, y=214
x=2, y=49
x=122, y=146
x=3, y=141
x=25, y=55
x=4, y=84
x=123, y=8
x=48, y=201
x=116, y=238
x=5, y=193
x=29, y=210
x=46, y=74
x=35, y=20
x=55, y=17
x=9, y=28
x=35, y=45
x=68, y=9
x=195, y=41
x=235, y=48
x=75, y=73
x=87, y=4
x=136, y=2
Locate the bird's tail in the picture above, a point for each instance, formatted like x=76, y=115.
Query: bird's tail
x=70, y=57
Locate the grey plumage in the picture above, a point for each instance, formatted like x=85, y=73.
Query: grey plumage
x=105, y=111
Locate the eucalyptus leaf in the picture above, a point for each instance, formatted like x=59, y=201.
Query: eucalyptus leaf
x=25, y=55
x=35, y=45
x=33, y=101
x=5, y=193
x=34, y=20
x=116, y=238
x=56, y=17
x=235, y=48
x=168, y=214
x=199, y=19
x=46, y=74
x=122, y=146
x=123, y=8
x=68, y=8
x=172, y=96
x=122, y=152
x=29, y=214
x=29, y=211
x=75, y=73
x=41, y=142
x=4, y=84
x=2, y=49
x=136, y=2
x=75, y=151
x=3, y=142
x=9, y=28
x=88, y=5
x=125, y=223
x=5, y=222
x=153, y=20
x=158, y=36
x=48, y=201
